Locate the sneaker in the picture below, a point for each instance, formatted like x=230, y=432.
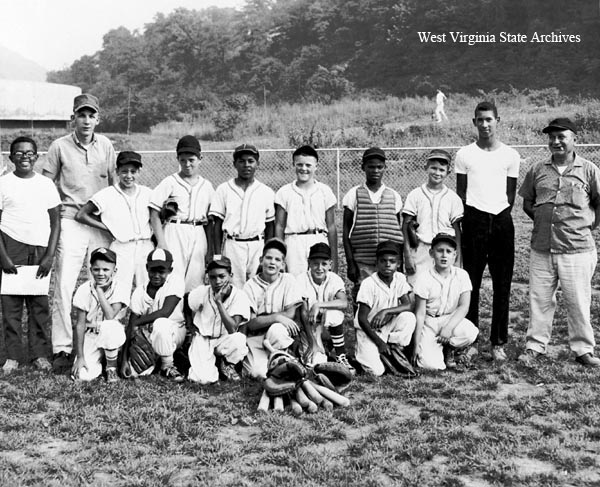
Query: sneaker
x=111, y=375
x=61, y=363
x=465, y=357
x=528, y=357
x=228, y=371
x=43, y=364
x=449, y=358
x=498, y=354
x=172, y=373
x=343, y=359
x=10, y=366
x=588, y=360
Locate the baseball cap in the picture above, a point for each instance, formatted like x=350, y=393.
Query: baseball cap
x=85, y=100
x=103, y=253
x=220, y=263
x=320, y=251
x=159, y=258
x=444, y=237
x=373, y=153
x=439, y=154
x=245, y=149
x=129, y=157
x=306, y=150
x=275, y=243
x=387, y=247
x=560, y=124
x=188, y=144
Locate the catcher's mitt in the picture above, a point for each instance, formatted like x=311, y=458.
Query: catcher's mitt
x=338, y=375
x=141, y=355
x=397, y=364
x=284, y=374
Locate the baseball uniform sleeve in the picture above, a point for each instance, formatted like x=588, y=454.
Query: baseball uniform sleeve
x=330, y=199
x=81, y=298
x=281, y=197
x=403, y=285
x=398, y=200
x=421, y=287
x=269, y=205
x=457, y=210
x=101, y=199
x=196, y=298
x=464, y=282
x=218, y=204
x=349, y=199
x=366, y=293
x=240, y=305
x=160, y=194
x=137, y=305
x=121, y=294
x=293, y=295
x=336, y=284
x=410, y=204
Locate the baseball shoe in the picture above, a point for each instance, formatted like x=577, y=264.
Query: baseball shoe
x=228, y=371
x=588, y=360
x=172, y=373
x=449, y=358
x=42, y=363
x=111, y=375
x=342, y=359
x=529, y=357
x=61, y=363
x=465, y=358
x=499, y=354
x=10, y=366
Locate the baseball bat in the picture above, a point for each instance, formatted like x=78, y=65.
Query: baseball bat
x=311, y=392
x=278, y=403
x=263, y=404
x=305, y=402
x=336, y=398
x=295, y=407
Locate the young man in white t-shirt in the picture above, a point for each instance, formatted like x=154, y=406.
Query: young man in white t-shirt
x=486, y=180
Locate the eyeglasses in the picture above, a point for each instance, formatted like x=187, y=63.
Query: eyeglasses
x=22, y=155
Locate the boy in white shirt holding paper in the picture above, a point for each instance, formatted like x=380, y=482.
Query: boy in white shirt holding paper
x=29, y=227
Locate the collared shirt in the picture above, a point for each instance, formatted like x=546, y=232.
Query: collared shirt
x=441, y=294
x=207, y=318
x=244, y=213
x=306, y=208
x=326, y=291
x=193, y=201
x=143, y=304
x=126, y=216
x=486, y=173
x=86, y=299
x=79, y=172
x=377, y=295
x=434, y=212
x=564, y=205
x=275, y=297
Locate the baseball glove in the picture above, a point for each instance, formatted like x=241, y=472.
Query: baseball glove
x=168, y=210
x=284, y=374
x=413, y=240
x=140, y=353
x=338, y=375
x=397, y=364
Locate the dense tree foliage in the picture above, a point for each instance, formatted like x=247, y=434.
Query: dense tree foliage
x=290, y=50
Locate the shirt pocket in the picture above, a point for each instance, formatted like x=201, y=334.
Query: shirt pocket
x=576, y=194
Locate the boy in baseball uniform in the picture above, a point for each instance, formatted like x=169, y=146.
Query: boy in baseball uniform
x=122, y=211
x=218, y=311
x=442, y=296
x=186, y=233
x=274, y=300
x=99, y=303
x=157, y=308
x=305, y=212
x=430, y=209
x=372, y=214
x=324, y=295
x=244, y=214
x=29, y=231
x=384, y=317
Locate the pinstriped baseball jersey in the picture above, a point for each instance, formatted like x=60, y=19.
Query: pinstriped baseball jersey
x=326, y=291
x=378, y=295
x=266, y=298
x=305, y=209
x=143, y=304
x=193, y=201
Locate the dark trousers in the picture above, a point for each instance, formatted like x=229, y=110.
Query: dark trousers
x=37, y=307
x=489, y=239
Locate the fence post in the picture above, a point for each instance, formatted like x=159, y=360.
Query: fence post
x=337, y=172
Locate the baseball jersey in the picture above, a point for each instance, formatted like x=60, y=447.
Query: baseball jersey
x=305, y=208
x=24, y=203
x=378, y=295
x=78, y=171
x=486, y=175
x=266, y=298
x=126, y=216
x=193, y=201
x=434, y=212
x=326, y=291
x=244, y=213
x=206, y=313
x=142, y=304
x=86, y=299
x=442, y=293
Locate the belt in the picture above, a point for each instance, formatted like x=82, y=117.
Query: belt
x=240, y=239
x=186, y=222
x=92, y=329
x=314, y=231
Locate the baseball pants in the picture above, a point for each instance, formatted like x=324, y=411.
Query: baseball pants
x=245, y=259
x=316, y=350
x=257, y=360
x=298, y=247
x=110, y=335
x=131, y=261
x=203, y=354
x=189, y=246
x=421, y=259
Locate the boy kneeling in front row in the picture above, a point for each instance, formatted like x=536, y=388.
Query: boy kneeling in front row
x=442, y=297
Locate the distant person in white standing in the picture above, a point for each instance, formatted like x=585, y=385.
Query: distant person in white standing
x=439, y=107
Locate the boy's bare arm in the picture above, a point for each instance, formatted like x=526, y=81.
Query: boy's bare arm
x=420, y=311
x=217, y=234
x=332, y=237
x=264, y=321
x=46, y=260
x=85, y=215
x=383, y=316
x=230, y=323
x=409, y=264
x=458, y=237
x=280, y=221
x=208, y=231
x=109, y=310
x=5, y=260
x=269, y=230
x=79, y=336
x=167, y=309
x=157, y=229
x=363, y=321
x=348, y=220
x=461, y=187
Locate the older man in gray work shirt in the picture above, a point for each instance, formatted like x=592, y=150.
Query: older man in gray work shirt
x=81, y=164
x=562, y=197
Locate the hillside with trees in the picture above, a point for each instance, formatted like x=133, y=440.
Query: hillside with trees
x=274, y=51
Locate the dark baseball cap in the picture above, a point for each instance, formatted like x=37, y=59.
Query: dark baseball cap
x=129, y=157
x=275, y=243
x=86, y=100
x=220, y=263
x=159, y=258
x=306, y=150
x=245, y=149
x=103, y=253
x=387, y=247
x=439, y=155
x=188, y=144
x=560, y=124
x=444, y=237
x=373, y=153
x=319, y=251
